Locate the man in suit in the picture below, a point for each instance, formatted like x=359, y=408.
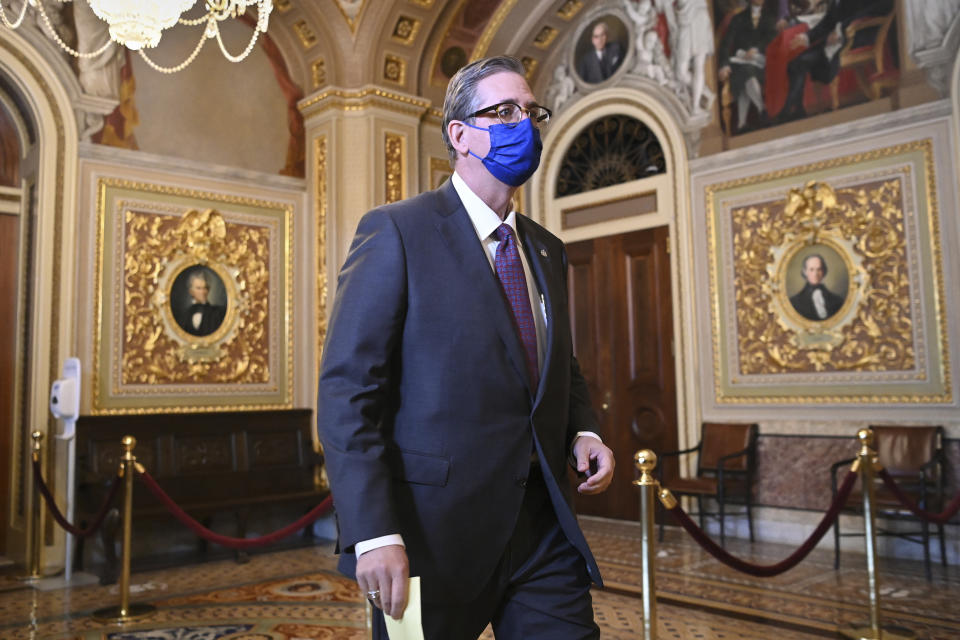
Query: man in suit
x=599, y=64
x=450, y=404
x=200, y=318
x=822, y=45
x=742, y=58
x=815, y=301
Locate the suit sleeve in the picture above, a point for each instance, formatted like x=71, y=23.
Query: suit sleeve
x=356, y=380
x=581, y=414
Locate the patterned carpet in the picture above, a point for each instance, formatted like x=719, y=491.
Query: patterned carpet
x=297, y=595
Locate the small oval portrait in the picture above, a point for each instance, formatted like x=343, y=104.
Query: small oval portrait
x=198, y=299
x=601, y=49
x=817, y=282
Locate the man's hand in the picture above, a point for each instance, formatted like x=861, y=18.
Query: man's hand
x=800, y=41
x=387, y=570
x=587, y=449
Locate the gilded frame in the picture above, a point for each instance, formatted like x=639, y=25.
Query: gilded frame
x=877, y=212
x=151, y=238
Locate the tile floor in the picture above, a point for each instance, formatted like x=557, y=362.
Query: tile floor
x=297, y=594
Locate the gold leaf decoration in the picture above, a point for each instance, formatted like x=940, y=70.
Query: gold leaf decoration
x=160, y=246
x=874, y=331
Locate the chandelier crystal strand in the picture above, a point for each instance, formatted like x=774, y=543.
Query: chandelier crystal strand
x=232, y=58
x=16, y=23
x=64, y=45
x=183, y=65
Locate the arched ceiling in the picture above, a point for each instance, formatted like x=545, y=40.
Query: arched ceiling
x=414, y=45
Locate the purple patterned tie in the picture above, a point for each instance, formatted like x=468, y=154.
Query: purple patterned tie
x=510, y=272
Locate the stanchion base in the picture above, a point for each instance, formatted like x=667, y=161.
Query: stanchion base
x=887, y=632
x=114, y=614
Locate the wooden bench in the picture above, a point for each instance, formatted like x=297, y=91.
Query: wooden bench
x=207, y=462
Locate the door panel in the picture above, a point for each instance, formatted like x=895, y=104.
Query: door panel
x=623, y=328
x=9, y=241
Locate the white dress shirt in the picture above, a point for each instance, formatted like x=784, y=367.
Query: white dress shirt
x=485, y=223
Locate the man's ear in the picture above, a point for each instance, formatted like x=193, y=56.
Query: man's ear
x=456, y=130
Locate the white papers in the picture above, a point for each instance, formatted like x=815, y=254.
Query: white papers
x=410, y=626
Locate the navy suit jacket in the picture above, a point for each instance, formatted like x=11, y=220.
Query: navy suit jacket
x=425, y=408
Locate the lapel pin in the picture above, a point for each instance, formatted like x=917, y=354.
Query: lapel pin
x=543, y=252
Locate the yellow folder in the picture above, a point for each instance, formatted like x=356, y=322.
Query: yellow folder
x=409, y=626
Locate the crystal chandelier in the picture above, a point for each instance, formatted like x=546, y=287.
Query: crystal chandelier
x=138, y=24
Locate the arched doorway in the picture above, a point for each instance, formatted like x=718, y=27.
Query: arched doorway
x=37, y=249
x=613, y=187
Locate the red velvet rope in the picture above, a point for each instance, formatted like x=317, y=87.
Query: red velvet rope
x=227, y=541
x=937, y=518
x=58, y=516
x=766, y=571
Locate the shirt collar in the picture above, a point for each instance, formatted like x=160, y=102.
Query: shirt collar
x=485, y=220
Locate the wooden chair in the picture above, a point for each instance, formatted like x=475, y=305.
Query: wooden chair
x=726, y=463
x=914, y=456
x=867, y=61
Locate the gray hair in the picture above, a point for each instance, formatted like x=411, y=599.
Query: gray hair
x=461, y=97
x=198, y=274
x=803, y=267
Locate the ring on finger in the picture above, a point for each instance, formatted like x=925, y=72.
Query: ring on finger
x=373, y=595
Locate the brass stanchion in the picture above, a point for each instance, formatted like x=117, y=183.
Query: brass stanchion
x=34, y=528
x=646, y=461
x=126, y=612
x=866, y=464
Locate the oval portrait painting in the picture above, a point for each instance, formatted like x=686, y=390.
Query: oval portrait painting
x=817, y=282
x=601, y=48
x=198, y=299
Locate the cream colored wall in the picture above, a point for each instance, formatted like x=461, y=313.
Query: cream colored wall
x=213, y=111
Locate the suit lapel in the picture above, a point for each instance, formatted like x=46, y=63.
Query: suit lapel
x=542, y=265
x=458, y=234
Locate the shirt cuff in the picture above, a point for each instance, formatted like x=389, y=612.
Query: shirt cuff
x=375, y=543
x=571, y=459
x=590, y=434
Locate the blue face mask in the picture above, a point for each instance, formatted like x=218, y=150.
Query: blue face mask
x=514, y=151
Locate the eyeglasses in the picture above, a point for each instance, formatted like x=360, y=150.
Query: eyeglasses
x=511, y=113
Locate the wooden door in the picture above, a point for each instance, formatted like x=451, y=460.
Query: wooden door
x=9, y=256
x=622, y=319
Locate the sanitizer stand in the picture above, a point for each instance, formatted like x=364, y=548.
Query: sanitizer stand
x=65, y=405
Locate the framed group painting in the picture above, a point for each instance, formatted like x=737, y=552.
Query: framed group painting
x=194, y=304
x=826, y=282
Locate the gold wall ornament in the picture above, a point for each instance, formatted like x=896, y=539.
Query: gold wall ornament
x=406, y=29
x=318, y=73
x=320, y=210
x=162, y=253
x=769, y=243
x=358, y=100
x=305, y=33
x=394, y=69
x=545, y=37
x=569, y=9
x=393, y=150
x=530, y=67
x=154, y=351
x=881, y=337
